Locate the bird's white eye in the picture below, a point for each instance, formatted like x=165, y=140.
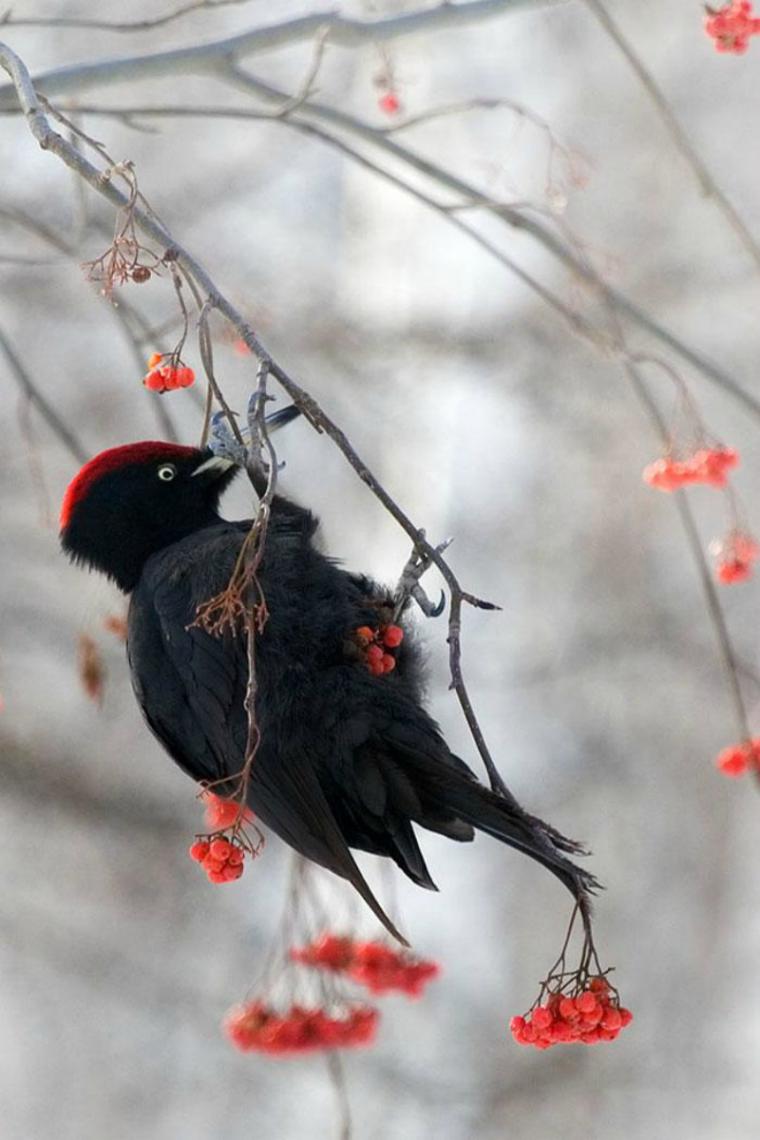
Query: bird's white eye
x=166, y=472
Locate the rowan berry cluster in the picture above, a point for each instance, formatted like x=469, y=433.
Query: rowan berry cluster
x=165, y=377
x=732, y=26
x=375, y=644
x=739, y=758
x=222, y=813
x=221, y=859
x=258, y=1027
x=381, y=968
x=705, y=465
x=735, y=555
x=589, y=1016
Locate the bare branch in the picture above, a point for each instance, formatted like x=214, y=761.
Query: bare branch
x=219, y=58
x=515, y=217
x=8, y=20
x=342, y=30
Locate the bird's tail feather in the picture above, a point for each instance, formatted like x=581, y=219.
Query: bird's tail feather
x=505, y=820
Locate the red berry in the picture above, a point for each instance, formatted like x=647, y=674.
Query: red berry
x=374, y=653
x=389, y=103
x=220, y=849
x=542, y=1018
x=567, y=1008
x=154, y=381
x=733, y=761
x=586, y=1002
x=393, y=635
x=388, y=663
x=611, y=1018
x=198, y=851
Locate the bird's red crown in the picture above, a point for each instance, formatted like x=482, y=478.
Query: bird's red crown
x=112, y=460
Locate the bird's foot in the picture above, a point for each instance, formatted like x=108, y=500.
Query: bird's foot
x=409, y=582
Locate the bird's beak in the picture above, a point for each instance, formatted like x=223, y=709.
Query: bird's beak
x=215, y=466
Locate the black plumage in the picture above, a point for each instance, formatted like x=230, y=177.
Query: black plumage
x=346, y=759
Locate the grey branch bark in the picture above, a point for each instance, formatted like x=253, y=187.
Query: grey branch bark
x=204, y=57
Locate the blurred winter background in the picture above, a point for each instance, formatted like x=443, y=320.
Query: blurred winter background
x=599, y=685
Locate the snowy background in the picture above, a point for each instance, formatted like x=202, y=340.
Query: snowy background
x=598, y=685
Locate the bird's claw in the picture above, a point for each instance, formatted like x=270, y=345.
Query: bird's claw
x=223, y=443
x=409, y=582
x=429, y=609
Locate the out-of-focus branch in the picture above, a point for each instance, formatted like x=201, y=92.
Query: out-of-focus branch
x=631, y=364
x=124, y=313
x=467, y=195
x=102, y=182
x=342, y=30
x=683, y=143
x=24, y=381
x=9, y=20
x=220, y=58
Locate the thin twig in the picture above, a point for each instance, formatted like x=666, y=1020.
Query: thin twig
x=115, y=26
x=338, y=1081
x=220, y=62
x=68, y=438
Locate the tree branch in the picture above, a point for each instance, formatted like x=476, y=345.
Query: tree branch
x=8, y=20
x=67, y=437
x=342, y=30
x=317, y=115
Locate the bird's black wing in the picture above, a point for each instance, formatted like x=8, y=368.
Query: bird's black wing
x=191, y=688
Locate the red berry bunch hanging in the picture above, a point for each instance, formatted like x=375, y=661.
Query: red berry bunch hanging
x=221, y=855
x=328, y=952
x=165, y=377
x=705, y=465
x=222, y=813
x=739, y=758
x=588, y=1015
x=732, y=26
x=376, y=646
x=221, y=859
x=735, y=555
x=381, y=968
x=258, y=1027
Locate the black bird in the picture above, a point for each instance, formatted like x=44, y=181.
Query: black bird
x=347, y=758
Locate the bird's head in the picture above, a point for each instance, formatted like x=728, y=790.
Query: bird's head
x=129, y=502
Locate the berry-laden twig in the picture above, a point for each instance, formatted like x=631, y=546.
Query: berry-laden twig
x=166, y=372
x=378, y=966
x=734, y=556
x=731, y=26
x=126, y=258
x=709, y=465
x=737, y=759
x=222, y=852
x=573, y=1006
x=257, y=1027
